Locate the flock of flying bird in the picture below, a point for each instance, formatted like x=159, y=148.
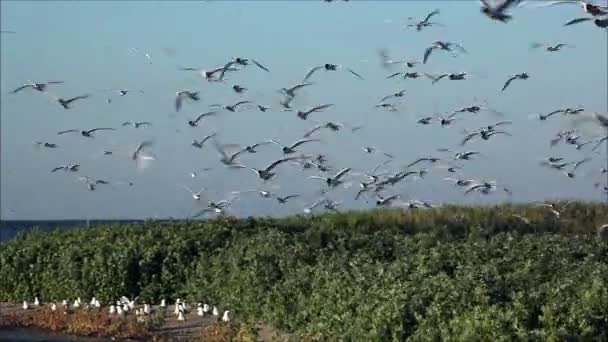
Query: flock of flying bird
x=377, y=184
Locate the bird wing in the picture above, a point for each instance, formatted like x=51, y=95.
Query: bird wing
x=101, y=129
x=241, y=103
x=303, y=141
x=500, y=123
x=577, y=20
x=427, y=54
x=280, y=161
x=342, y=173
x=310, y=72
x=468, y=137
x=508, y=82
x=435, y=12
x=321, y=107
x=309, y=133
x=260, y=65
x=21, y=88
x=355, y=73
x=67, y=131
x=80, y=97
x=560, y=2
x=506, y=4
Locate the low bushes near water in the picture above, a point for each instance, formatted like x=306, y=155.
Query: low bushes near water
x=453, y=273
x=80, y=323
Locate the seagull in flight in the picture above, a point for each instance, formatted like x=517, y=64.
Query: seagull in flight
x=292, y=149
x=335, y=180
x=185, y=94
x=329, y=67
x=136, y=124
x=40, y=86
x=304, y=114
x=232, y=108
x=520, y=76
x=245, y=62
x=195, y=195
x=86, y=133
x=71, y=167
x=548, y=47
x=199, y=144
x=194, y=123
x=441, y=45
x=589, y=8
x=497, y=11
x=267, y=173
x=599, y=22
x=425, y=23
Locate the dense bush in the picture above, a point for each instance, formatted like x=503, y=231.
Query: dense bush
x=454, y=273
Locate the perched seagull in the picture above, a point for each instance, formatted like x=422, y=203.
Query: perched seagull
x=194, y=123
x=136, y=124
x=292, y=148
x=441, y=45
x=425, y=23
x=86, y=133
x=329, y=67
x=304, y=114
x=520, y=76
x=40, y=86
x=497, y=12
x=199, y=144
x=185, y=94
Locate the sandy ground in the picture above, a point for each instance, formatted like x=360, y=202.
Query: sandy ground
x=176, y=330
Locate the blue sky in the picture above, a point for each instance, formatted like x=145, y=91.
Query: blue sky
x=96, y=45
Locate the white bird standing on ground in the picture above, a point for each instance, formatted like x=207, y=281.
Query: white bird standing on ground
x=226, y=316
x=215, y=312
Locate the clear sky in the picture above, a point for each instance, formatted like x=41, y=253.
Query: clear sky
x=97, y=45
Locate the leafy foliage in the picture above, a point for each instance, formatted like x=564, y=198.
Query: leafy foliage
x=454, y=273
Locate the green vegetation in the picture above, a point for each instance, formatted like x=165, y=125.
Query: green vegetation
x=454, y=273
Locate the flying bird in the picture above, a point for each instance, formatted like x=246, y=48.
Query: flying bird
x=599, y=22
x=548, y=47
x=185, y=94
x=40, y=86
x=199, y=144
x=336, y=179
x=194, y=123
x=441, y=45
x=136, y=124
x=497, y=11
x=304, y=114
x=520, y=76
x=592, y=9
x=425, y=22
x=86, y=133
x=292, y=149
x=330, y=67
x=267, y=173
